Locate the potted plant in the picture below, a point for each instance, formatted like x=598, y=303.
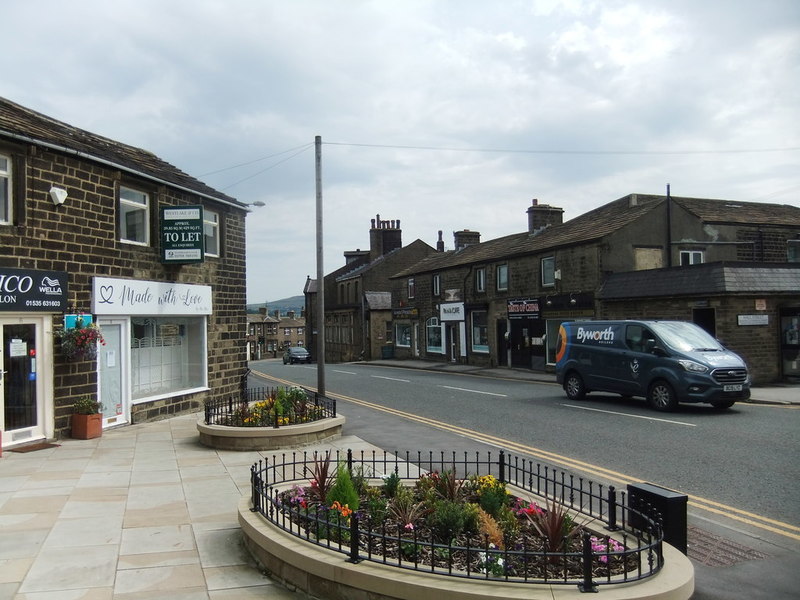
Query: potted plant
x=87, y=420
x=81, y=342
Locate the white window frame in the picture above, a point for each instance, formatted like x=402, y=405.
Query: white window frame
x=693, y=257
x=431, y=325
x=502, y=278
x=480, y=280
x=548, y=266
x=137, y=207
x=412, y=288
x=437, y=285
x=6, y=186
x=211, y=232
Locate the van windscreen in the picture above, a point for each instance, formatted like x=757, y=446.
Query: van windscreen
x=686, y=337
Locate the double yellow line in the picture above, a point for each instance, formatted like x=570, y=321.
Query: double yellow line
x=616, y=478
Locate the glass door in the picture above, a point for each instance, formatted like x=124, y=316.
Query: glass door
x=111, y=358
x=22, y=415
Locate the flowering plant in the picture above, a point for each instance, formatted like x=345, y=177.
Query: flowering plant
x=81, y=342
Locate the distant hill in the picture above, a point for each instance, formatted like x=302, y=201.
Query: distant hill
x=295, y=303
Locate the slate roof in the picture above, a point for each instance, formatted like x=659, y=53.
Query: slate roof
x=703, y=279
x=600, y=222
x=25, y=125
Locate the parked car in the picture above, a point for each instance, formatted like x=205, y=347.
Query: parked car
x=296, y=354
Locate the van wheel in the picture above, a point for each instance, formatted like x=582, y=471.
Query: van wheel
x=573, y=386
x=661, y=397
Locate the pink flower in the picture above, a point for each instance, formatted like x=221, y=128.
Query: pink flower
x=409, y=527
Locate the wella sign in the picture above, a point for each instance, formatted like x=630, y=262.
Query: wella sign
x=133, y=297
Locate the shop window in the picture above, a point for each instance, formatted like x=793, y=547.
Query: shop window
x=502, y=278
x=402, y=335
x=134, y=216
x=433, y=335
x=480, y=332
x=5, y=190
x=548, y=265
x=211, y=231
x=168, y=355
x=691, y=257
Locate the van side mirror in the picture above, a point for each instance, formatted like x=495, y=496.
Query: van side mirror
x=659, y=351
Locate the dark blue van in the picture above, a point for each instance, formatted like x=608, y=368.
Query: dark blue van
x=666, y=362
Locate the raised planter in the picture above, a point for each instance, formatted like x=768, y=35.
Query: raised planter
x=322, y=573
x=335, y=571
x=225, y=437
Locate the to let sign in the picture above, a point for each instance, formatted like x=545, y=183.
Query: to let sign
x=181, y=233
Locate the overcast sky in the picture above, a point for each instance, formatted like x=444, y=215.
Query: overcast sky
x=446, y=115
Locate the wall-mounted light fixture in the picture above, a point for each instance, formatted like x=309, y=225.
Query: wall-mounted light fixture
x=547, y=301
x=572, y=299
x=58, y=195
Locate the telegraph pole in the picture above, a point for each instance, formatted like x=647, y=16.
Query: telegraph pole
x=320, y=309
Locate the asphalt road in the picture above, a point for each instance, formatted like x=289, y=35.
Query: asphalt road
x=738, y=467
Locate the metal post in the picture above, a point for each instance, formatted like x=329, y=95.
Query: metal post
x=612, y=509
x=320, y=274
x=587, y=585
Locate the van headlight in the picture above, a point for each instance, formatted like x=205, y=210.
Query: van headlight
x=692, y=366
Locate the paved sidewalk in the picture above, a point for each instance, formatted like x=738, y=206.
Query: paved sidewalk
x=142, y=513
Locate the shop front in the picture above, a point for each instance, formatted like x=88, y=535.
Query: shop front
x=28, y=300
x=156, y=343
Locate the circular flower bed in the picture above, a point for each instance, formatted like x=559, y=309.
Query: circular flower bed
x=473, y=525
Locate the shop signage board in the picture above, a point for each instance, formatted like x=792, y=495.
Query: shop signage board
x=451, y=311
x=524, y=308
x=181, y=234
x=111, y=296
x=27, y=290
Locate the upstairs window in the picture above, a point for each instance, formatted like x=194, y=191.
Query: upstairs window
x=211, y=231
x=793, y=251
x=437, y=285
x=480, y=280
x=5, y=189
x=134, y=216
x=691, y=257
x=502, y=278
x=412, y=288
x=548, y=271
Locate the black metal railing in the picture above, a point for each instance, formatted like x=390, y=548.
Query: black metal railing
x=270, y=407
x=637, y=535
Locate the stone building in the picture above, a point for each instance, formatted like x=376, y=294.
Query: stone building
x=95, y=230
x=500, y=302
x=357, y=322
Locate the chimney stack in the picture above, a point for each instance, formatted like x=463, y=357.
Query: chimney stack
x=541, y=216
x=465, y=238
x=440, y=243
x=384, y=237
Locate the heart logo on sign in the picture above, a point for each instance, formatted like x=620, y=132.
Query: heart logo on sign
x=106, y=292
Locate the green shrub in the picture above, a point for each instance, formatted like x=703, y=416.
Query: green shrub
x=446, y=521
x=343, y=491
x=390, y=484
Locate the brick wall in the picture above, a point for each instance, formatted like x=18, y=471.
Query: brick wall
x=80, y=237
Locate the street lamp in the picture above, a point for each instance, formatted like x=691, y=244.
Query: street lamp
x=257, y=203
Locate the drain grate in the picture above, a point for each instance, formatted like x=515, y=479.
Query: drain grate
x=715, y=551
